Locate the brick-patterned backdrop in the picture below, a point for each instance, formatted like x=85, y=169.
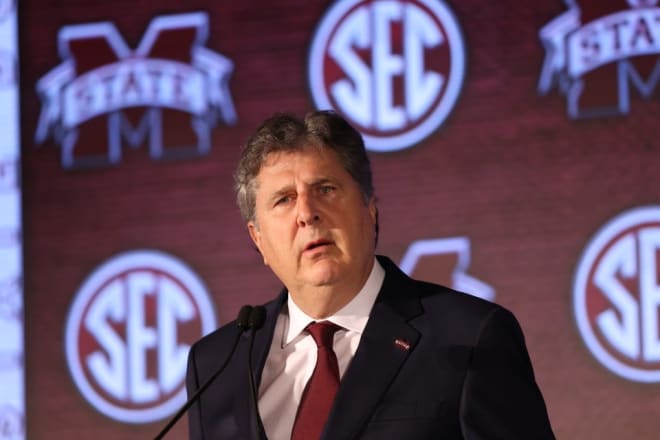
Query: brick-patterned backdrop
x=509, y=170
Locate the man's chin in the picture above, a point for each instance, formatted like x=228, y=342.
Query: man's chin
x=324, y=272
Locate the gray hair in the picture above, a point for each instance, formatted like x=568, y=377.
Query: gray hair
x=284, y=132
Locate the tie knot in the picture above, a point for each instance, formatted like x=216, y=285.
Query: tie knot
x=323, y=333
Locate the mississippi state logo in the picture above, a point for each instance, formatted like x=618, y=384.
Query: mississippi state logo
x=598, y=52
x=105, y=95
x=616, y=295
x=128, y=333
x=394, y=69
x=445, y=261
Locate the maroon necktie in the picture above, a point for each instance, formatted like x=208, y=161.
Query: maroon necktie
x=322, y=386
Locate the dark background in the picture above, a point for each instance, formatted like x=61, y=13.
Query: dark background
x=508, y=169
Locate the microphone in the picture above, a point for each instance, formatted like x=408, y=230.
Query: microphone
x=243, y=322
x=257, y=317
x=243, y=318
x=255, y=322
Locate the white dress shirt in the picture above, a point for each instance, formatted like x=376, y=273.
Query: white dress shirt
x=292, y=354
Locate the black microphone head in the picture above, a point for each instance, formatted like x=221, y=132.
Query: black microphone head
x=243, y=319
x=257, y=317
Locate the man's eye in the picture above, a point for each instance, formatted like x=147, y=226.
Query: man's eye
x=325, y=189
x=282, y=200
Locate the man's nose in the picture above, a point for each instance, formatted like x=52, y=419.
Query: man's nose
x=308, y=213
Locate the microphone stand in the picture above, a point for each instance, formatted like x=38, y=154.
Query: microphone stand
x=255, y=322
x=242, y=321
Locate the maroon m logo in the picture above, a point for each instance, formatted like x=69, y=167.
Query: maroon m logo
x=597, y=52
x=169, y=92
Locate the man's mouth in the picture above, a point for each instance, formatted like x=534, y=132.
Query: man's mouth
x=317, y=244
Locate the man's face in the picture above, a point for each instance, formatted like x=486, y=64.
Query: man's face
x=313, y=227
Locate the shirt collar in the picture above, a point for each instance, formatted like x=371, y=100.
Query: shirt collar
x=353, y=316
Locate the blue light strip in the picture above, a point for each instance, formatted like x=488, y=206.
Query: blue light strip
x=12, y=374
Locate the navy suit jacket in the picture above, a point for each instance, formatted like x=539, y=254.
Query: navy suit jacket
x=432, y=363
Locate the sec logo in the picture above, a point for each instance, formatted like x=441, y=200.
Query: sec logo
x=616, y=295
x=128, y=333
x=394, y=69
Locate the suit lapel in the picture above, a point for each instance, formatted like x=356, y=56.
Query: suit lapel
x=384, y=347
x=260, y=349
x=264, y=336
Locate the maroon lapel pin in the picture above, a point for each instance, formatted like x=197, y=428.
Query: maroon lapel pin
x=402, y=344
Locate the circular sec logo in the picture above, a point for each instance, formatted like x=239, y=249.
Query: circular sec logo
x=616, y=295
x=394, y=69
x=128, y=333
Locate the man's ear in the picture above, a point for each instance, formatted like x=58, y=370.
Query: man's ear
x=373, y=213
x=255, y=235
x=373, y=210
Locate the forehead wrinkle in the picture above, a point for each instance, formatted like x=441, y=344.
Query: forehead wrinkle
x=277, y=165
x=315, y=181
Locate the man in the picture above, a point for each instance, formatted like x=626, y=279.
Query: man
x=402, y=359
